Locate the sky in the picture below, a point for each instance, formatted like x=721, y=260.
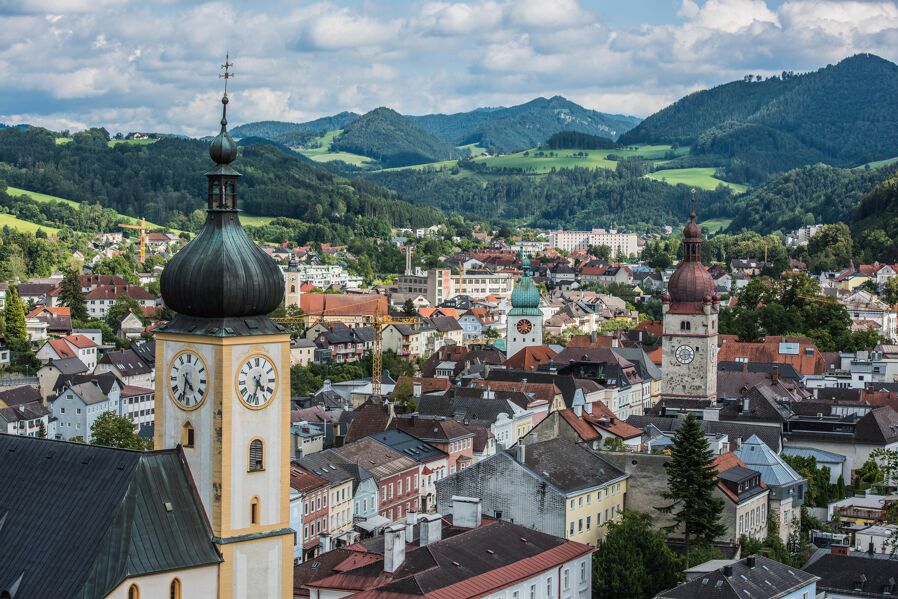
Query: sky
x=153, y=65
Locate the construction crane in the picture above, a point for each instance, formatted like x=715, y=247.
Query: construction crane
x=378, y=321
x=142, y=228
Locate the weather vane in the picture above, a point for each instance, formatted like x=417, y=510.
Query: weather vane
x=227, y=71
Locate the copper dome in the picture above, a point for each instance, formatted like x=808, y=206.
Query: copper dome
x=690, y=283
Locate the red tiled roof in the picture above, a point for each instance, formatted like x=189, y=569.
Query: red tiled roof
x=371, y=417
x=80, y=341
x=133, y=390
x=580, y=426
x=653, y=327
x=52, y=310
x=530, y=358
x=428, y=385
x=61, y=348
x=432, y=429
x=767, y=352
x=303, y=481
x=330, y=304
x=614, y=425
x=724, y=462
x=111, y=292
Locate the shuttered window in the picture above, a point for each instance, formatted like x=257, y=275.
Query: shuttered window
x=256, y=455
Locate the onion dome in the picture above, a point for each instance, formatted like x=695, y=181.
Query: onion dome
x=691, y=282
x=222, y=273
x=525, y=295
x=223, y=149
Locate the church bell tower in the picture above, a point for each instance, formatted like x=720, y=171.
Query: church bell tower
x=689, y=344
x=223, y=387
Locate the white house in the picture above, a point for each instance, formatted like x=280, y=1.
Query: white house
x=78, y=406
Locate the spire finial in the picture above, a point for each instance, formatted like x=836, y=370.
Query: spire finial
x=227, y=74
x=692, y=212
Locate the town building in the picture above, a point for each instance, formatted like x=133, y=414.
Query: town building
x=755, y=577
x=524, y=323
x=690, y=307
x=556, y=487
x=623, y=244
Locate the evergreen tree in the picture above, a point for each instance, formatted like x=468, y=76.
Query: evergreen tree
x=633, y=561
x=691, y=480
x=14, y=316
x=41, y=430
x=72, y=296
x=408, y=308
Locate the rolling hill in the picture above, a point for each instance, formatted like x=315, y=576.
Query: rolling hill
x=841, y=115
x=163, y=182
x=391, y=139
x=524, y=126
x=293, y=134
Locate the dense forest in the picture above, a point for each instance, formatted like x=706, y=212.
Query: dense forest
x=294, y=134
x=816, y=194
x=163, y=182
x=875, y=222
x=524, y=126
x=575, y=140
x=573, y=198
x=391, y=139
x=841, y=115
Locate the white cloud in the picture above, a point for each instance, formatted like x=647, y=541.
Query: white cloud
x=154, y=65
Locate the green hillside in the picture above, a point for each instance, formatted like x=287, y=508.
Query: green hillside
x=391, y=139
x=294, y=134
x=8, y=220
x=875, y=222
x=163, y=182
x=818, y=194
x=842, y=115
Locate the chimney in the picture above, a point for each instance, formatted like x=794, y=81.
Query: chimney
x=745, y=367
x=870, y=548
x=410, y=519
x=750, y=561
x=394, y=547
x=465, y=511
x=728, y=570
x=839, y=549
x=324, y=543
x=431, y=529
x=520, y=452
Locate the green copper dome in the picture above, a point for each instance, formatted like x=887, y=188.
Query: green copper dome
x=525, y=298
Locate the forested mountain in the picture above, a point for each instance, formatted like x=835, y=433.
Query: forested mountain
x=164, y=182
x=392, y=139
x=875, y=226
x=842, y=115
x=294, y=134
x=574, y=140
x=523, y=126
x=572, y=198
x=818, y=194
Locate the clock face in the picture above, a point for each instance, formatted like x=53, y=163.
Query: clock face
x=685, y=354
x=187, y=378
x=524, y=326
x=256, y=382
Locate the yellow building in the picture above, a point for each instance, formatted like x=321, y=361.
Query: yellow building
x=341, y=508
x=223, y=389
x=587, y=512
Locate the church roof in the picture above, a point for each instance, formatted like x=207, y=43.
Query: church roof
x=77, y=520
x=525, y=299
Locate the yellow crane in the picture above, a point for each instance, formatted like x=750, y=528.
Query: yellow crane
x=142, y=228
x=378, y=321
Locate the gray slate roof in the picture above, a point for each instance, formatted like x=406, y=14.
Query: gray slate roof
x=78, y=519
x=774, y=470
x=568, y=466
x=768, y=579
x=771, y=436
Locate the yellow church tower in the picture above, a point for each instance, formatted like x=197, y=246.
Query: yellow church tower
x=223, y=388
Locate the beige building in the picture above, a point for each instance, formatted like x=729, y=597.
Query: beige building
x=440, y=284
x=626, y=244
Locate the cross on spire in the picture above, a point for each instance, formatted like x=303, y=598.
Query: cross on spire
x=227, y=71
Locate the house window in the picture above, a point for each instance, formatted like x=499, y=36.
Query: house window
x=174, y=591
x=256, y=456
x=254, y=511
x=567, y=579
x=582, y=571
x=133, y=592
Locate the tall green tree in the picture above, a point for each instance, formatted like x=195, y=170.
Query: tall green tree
x=633, y=561
x=120, y=308
x=14, y=316
x=71, y=295
x=691, y=480
x=112, y=430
